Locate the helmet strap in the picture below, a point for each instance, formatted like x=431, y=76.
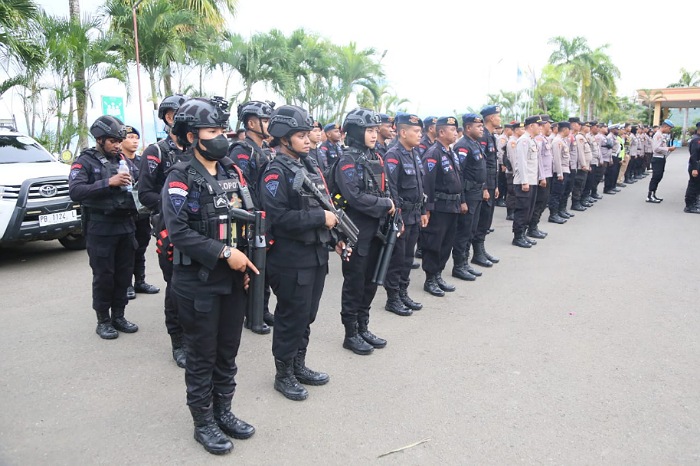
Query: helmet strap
x=263, y=135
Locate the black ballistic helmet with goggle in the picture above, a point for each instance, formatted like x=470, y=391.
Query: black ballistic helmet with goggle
x=172, y=102
x=355, y=124
x=108, y=126
x=255, y=108
x=198, y=113
x=289, y=119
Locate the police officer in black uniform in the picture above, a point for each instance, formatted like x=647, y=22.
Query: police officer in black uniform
x=315, y=136
x=108, y=213
x=692, y=192
x=491, y=115
x=404, y=172
x=429, y=135
x=384, y=136
x=143, y=221
x=361, y=182
x=444, y=202
x=297, y=263
x=252, y=156
x=156, y=160
x=208, y=271
x=330, y=150
x=472, y=168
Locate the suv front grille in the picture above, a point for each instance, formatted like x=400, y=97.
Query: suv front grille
x=9, y=192
x=48, y=190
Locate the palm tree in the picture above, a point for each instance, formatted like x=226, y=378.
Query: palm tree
x=355, y=68
x=650, y=97
x=19, y=54
x=687, y=79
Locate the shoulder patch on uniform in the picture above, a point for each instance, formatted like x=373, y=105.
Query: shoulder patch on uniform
x=512, y=144
x=272, y=186
x=431, y=164
x=177, y=188
x=392, y=160
x=463, y=150
x=152, y=162
x=271, y=176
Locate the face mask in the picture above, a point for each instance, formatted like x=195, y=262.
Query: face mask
x=214, y=149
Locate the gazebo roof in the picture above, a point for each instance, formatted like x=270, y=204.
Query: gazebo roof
x=671, y=97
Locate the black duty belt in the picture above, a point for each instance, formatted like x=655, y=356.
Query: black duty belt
x=447, y=197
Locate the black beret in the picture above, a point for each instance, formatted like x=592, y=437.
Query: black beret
x=429, y=121
x=132, y=130
x=490, y=110
x=408, y=119
x=564, y=125
x=575, y=120
x=468, y=118
x=447, y=121
x=533, y=119
x=386, y=118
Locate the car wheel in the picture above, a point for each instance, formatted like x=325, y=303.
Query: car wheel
x=73, y=242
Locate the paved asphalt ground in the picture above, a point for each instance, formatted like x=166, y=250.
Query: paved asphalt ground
x=582, y=350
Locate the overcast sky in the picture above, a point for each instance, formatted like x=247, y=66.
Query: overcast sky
x=446, y=56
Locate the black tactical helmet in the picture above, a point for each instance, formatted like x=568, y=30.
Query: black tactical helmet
x=255, y=108
x=363, y=118
x=172, y=102
x=108, y=126
x=289, y=119
x=201, y=113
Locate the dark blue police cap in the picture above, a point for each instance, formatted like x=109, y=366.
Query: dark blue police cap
x=447, y=121
x=490, y=110
x=469, y=118
x=408, y=119
x=575, y=120
x=386, y=118
x=330, y=127
x=564, y=124
x=533, y=119
x=132, y=130
x=429, y=121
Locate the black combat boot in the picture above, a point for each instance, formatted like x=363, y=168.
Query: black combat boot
x=479, y=256
x=529, y=240
x=130, y=292
x=554, y=217
x=419, y=253
x=651, y=198
x=105, y=329
x=227, y=421
x=459, y=270
x=263, y=330
x=179, y=351
x=578, y=207
x=369, y=337
x=140, y=286
x=493, y=259
x=444, y=286
x=657, y=199
x=510, y=215
x=469, y=268
x=354, y=342
x=406, y=300
x=431, y=285
x=207, y=432
x=566, y=215
x=520, y=241
x=533, y=232
x=304, y=374
x=395, y=305
x=286, y=383
x=269, y=318
x=121, y=324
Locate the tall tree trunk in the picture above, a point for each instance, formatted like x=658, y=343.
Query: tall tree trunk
x=79, y=81
x=154, y=96
x=167, y=80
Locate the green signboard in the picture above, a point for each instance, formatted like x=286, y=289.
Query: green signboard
x=113, y=106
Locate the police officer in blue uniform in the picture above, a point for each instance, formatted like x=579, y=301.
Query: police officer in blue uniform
x=404, y=172
x=297, y=263
x=361, y=182
x=209, y=273
x=108, y=212
x=252, y=156
x=444, y=193
x=473, y=171
x=156, y=160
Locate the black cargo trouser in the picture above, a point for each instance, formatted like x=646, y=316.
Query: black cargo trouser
x=658, y=166
x=298, y=292
x=143, y=237
x=437, y=240
x=541, y=202
x=212, y=326
x=578, y=185
x=524, y=208
x=485, y=218
x=466, y=229
x=693, y=190
x=399, y=271
x=358, y=290
x=112, y=263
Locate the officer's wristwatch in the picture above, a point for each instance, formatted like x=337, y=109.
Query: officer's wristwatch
x=227, y=252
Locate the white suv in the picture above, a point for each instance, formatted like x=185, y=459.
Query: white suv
x=34, y=200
